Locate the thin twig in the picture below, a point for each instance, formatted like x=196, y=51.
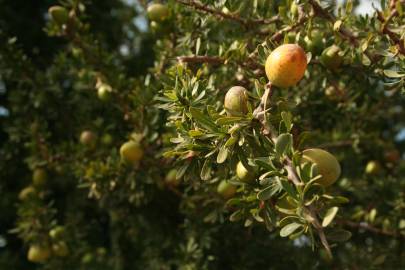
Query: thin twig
x=369, y=228
x=245, y=22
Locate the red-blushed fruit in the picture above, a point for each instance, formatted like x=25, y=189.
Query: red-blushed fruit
x=158, y=12
x=88, y=138
x=243, y=174
x=39, y=177
x=59, y=14
x=331, y=57
x=38, y=253
x=373, y=167
x=26, y=193
x=131, y=152
x=236, y=101
x=326, y=165
x=392, y=156
x=286, y=65
x=226, y=189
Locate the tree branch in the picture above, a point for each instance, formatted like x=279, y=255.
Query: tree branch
x=245, y=22
x=369, y=228
x=385, y=30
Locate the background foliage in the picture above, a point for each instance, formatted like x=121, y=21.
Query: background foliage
x=168, y=83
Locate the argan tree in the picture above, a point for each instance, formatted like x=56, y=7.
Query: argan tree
x=187, y=134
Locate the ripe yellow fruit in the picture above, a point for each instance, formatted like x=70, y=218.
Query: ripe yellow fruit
x=171, y=179
x=59, y=14
x=243, y=174
x=88, y=138
x=157, y=12
x=331, y=57
x=226, y=189
x=326, y=165
x=39, y=177
x=38, y=254
x=26, y=193
x=286, y=65
x=60, y=249
x=236, y=101
x=373, y=167
x=131, y=152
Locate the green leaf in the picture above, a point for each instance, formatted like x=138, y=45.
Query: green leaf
x=287, y=119
x=231, y=141
x=289, y=229
x=206, y=170
x=222, y=154
x=197, y=46
x=267, y=193
x=203, y=119
x=329, y=216
x=236, y=215
x=393, y=74
x=182, y=170
x=229, y=120
x=283, y=142
x=289, y=188
x=337, y=25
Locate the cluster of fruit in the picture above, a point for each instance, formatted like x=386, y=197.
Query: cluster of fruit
x=285, y=67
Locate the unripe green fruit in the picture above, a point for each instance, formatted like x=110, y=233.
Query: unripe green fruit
x=59, y=14
x=331, y=57
x=88, y=138
x=226, y=189
x=57, y=232
x=314, y=42
x=38, y=254
x=39, y=177
x=26, y=193
x=286, y=65
x=326, y=165
x=373, y=167
x=160, y=28
x=243, y=174
x=171, y=179
x=107, y=139
x=158, y=12
x=294, y=9
x=236, y=101
x=104, y=92
x=60, y=249
x=131, y=152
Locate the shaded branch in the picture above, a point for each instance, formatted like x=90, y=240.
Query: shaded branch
x=246, y=22
x=369, y=228
x=385, y=30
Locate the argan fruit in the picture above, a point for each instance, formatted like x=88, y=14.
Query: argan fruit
x=27, y=192
x=326, y=164
x=88, y=138
x=57, y=232
x=226, y=189
x=314, y=42
x=59, y=14
x=236, y=101
x=157, y=12
x=244, y=174
x=171, y=179
x=39, y=177
x=104, y=92
x=392, y=156
x=373, y=167
x=131, y=152
x=38, y=253
x=60, y=249
x=331, y=57
x=106, y=139
x=286, y=65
